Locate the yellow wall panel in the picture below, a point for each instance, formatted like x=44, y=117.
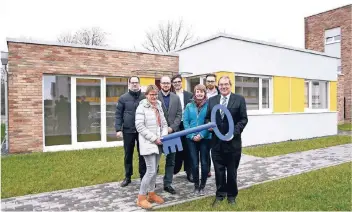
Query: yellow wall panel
x=297, y=95
x=184, y=84
x=281, y=87
x=333, y=96
x=145, y=81
x=231, y=75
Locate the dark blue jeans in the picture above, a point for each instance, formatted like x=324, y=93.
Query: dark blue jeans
x=201, y=149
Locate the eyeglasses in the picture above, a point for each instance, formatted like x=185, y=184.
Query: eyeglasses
x=152, y=94
x=224, y=85
x=176, y=82
x=134, y=82
x=210, y=81
x=165, y=83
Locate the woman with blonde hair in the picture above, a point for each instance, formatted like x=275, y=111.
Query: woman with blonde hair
x=151, y=126
x=198, y=143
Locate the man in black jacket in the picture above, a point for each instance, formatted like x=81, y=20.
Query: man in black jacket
x=182, y=156
x=226, y=155
x=125, y=126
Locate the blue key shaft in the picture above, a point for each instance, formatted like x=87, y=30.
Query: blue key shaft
x=188, y=131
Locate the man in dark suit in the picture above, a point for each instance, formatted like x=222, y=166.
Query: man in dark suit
x=172, y=108
x=183, y=156
x=226, y=155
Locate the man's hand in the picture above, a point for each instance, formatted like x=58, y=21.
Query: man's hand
x=158, y=141
x=210, y=129
x=119, y=134
x=169, y=129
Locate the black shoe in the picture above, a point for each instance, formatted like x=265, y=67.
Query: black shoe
x=231, y=200
x=170, y=190
x=216, y=202
x=125, y=182
x=196, y=191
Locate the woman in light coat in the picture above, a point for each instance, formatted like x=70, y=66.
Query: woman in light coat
x=151, y=126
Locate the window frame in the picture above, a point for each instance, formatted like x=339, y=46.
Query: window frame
x=334, y=40
x=310, y=96
x=260, y=109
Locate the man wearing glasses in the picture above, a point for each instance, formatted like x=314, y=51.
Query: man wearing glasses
x=125, y=126
x=172, y=108
x=183, y=156
x=226, y=155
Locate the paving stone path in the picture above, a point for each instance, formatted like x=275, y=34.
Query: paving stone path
x=111, y=197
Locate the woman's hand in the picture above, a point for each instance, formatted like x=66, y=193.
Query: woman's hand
x=196, y=138
x=158, y=141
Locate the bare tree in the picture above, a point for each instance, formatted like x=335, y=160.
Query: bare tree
x=94, y=36
x=168, y=36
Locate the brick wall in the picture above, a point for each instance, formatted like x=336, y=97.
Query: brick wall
x=28, y=63
x=315, y=27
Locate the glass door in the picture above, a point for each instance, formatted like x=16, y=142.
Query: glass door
x=88, y=109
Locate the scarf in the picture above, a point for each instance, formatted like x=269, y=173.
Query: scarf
x=157, y=114
x=200, y=102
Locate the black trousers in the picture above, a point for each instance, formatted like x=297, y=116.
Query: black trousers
x=129, y=140
x=183, y=157
x=226, y=165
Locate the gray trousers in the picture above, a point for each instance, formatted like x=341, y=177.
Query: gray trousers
x=149, y=179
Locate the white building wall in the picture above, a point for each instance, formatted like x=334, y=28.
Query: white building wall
x=225, y=54
x=262, y=129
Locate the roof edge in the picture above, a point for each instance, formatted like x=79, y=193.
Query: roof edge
x=326, y=11
x=107, y=48
x=257, y=42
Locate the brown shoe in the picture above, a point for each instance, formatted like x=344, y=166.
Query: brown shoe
x=153, y=197
x=143, y=202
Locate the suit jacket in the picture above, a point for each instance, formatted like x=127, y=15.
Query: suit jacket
x=173, y=114
x=238, y=110
x=187, y=97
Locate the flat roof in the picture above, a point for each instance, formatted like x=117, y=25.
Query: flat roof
x=108, y=48
x=228, y=36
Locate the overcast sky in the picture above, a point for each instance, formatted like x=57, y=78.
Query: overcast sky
x=280, y=21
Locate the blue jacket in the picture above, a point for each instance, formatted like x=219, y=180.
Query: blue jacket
x=191, y=118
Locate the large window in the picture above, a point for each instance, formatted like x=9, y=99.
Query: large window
x=256, y=91
x=57, y=110
x=316, y=94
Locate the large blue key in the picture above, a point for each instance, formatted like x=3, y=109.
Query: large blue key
x=170, y=142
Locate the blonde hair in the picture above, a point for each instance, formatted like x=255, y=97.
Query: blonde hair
x=151, y=88
x=200, y=87
x=225, y=77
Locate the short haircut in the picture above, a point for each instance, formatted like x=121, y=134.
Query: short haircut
x=210, y=75
x=129, y=79
x=175, y=77
x=165, y=77
x=151, y=88
x=225, y=77
x=200, y=87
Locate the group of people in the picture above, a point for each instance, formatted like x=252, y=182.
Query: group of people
x=144, y=118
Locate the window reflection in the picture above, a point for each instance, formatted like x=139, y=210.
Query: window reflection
x=57, y=110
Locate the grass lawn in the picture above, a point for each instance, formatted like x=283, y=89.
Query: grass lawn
x=281, y=148
x=345, y=127
x=328, y=189
x=42, y=172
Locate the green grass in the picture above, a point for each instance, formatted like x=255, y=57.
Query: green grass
x=42, y=172
x=345, y=127
x=327, y=189
x=2, y=131
x=66, y=139
x=286, y=147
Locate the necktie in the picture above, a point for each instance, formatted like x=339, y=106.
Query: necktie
x=223, y=103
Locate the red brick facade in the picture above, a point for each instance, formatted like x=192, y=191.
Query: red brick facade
x=28, y=63
x=315, y=27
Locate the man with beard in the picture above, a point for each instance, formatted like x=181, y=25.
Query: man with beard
x=212, y=90
x=183, y=156
x=226, y=155
x=172, y=108
x=125, y=126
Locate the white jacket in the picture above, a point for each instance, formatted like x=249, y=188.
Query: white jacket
x=146, y=125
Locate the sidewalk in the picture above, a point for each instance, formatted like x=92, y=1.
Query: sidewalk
x=111, y=197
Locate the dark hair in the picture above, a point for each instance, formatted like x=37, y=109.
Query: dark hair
x=175, y=77
x=129, y=79
x=210, y=75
